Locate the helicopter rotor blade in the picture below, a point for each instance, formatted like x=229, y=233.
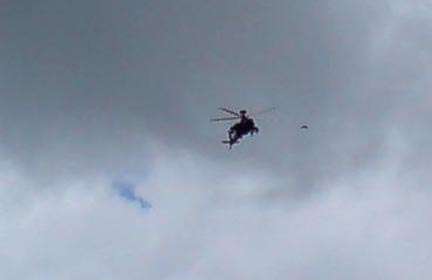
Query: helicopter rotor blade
x=265, y=111
x=229, y=111
x=224, y=119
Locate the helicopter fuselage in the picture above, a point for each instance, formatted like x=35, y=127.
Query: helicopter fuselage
x=242, y=128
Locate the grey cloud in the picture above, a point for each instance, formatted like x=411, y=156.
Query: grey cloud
x=105, y=76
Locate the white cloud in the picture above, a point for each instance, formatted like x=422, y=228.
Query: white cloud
x=368, y=225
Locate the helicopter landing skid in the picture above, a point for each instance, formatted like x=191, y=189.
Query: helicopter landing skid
x=229, y=142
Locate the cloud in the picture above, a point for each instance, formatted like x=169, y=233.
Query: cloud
x=92, y=90
x=366, y=225
x=103, y=87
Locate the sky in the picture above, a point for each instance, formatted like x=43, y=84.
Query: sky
x=110, y=168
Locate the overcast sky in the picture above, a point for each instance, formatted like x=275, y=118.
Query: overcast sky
x=110, y=168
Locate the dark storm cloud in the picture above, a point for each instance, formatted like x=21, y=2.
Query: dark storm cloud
x=86, y=82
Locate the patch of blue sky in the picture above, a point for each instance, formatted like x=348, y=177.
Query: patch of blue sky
x=126, y=190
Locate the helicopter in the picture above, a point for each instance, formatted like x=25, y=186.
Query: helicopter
x=245, y=125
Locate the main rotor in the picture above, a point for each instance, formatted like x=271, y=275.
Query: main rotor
x=238, y=115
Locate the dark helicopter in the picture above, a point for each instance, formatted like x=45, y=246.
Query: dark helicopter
x=245, y=125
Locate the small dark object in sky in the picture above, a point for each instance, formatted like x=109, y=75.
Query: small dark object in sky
x=304, y=126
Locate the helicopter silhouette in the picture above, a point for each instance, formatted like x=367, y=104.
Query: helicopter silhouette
x=245, y=125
